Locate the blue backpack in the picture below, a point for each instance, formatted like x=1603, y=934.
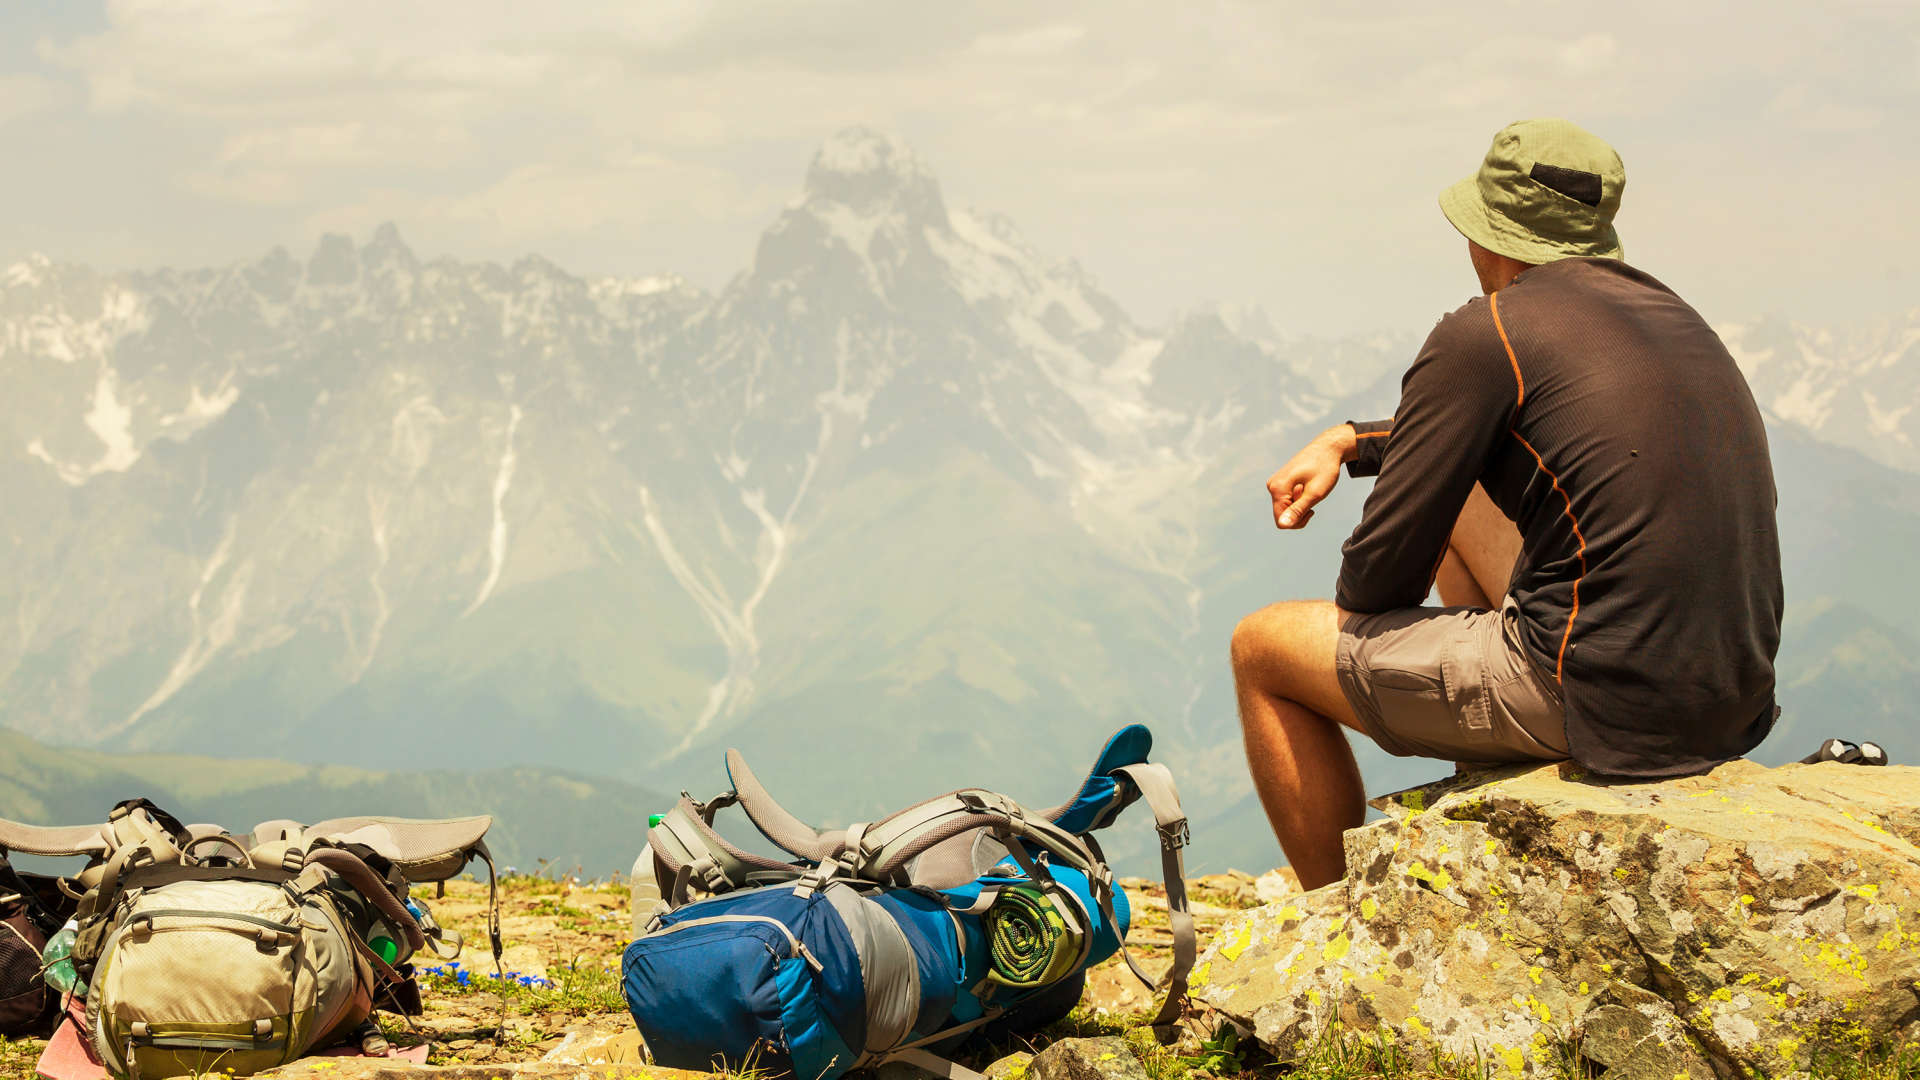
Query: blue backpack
x=888, y=939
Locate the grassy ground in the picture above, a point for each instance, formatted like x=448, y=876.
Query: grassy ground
x=564, y=940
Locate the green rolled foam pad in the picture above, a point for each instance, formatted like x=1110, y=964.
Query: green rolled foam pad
x=1030, y=943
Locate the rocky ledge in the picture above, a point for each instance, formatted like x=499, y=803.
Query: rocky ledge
x=1742, y=922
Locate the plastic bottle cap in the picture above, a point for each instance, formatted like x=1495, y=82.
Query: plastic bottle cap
x=655, y=819
x=385, y=949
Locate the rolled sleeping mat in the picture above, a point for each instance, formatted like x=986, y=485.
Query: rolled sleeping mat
x=1033, y=942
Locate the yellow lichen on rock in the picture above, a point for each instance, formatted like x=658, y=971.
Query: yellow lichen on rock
x=1648, y=902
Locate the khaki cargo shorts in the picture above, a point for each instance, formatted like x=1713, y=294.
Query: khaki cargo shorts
x=1451, y=683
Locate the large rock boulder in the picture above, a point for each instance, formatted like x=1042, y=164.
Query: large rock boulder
x=1739, y=922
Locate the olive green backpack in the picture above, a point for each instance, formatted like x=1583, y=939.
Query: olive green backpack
x=204, y=952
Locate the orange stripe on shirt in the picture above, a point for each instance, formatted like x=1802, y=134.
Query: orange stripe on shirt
x=1580, y=552
x=1520, y=384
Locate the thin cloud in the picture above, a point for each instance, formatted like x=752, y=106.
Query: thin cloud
x=1226, y=150
x=1038, y=41
x=25, y=94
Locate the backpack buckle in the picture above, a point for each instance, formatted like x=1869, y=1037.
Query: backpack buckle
x=817, y=879
x=712, y=806
x=1174, y=835
x=711, y=874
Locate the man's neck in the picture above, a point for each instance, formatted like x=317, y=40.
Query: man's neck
x=1504, y=271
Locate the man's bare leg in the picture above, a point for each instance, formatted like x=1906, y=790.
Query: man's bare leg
x=1457, y=585
x=1292, y=707
x=1291, y=712
x=1480, y=555
x=1479, y=562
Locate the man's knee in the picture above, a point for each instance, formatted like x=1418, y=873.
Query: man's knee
x=1282, y=635
x=1288, y=650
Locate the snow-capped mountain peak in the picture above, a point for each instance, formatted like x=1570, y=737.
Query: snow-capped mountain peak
x=1858, y=390
x=350, y=456
x=872, y=173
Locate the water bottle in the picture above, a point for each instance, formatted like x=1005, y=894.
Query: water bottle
x=380, y=940
x=384, y=939
x=57, y=959
x=645, y=891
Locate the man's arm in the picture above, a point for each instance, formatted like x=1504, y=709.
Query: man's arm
x=1457, y=399
x=1310, y=475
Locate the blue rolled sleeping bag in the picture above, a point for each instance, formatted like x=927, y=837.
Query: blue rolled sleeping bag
x=818, y=981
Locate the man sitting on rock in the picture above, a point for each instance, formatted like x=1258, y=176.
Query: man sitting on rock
x=1579, y=466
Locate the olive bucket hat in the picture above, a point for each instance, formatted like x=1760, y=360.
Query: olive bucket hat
x=1547, y=190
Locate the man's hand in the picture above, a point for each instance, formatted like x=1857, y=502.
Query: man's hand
x=1305, y=480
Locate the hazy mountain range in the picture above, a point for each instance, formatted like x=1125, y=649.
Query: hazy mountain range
x=907, y=505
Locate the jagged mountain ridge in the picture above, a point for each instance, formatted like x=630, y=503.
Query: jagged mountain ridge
x=366, y=504
x=906, y=504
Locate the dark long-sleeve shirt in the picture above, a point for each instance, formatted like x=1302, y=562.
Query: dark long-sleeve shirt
x=1606, y=419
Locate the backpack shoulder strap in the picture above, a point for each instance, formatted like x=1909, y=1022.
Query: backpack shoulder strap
x=687, y=851
x=423, y=849
x=883, y=851
x=774, y=822
x=53, y=839
x=1155, y=784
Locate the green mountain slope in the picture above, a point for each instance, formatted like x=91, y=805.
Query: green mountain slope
x=541, y=816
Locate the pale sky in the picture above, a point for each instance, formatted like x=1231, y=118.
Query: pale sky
x=1280, y=154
